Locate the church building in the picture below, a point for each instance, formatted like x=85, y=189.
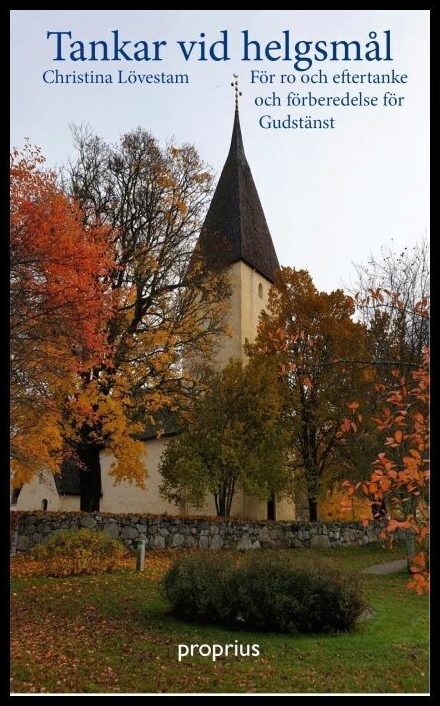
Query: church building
x=235, y=235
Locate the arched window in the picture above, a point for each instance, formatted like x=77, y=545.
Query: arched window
x=271, y=508
x=44, y=504
x=260, y=290
x=14, y=495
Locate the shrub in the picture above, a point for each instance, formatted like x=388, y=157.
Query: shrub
x=263, y=594
x=197, y=587
x=68, y=553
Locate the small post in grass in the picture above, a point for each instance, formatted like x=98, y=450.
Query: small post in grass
x=140, y=555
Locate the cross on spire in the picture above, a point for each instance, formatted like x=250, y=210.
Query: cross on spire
x=235, y=228
x=237, y=92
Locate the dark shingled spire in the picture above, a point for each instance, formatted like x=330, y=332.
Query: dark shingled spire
x=235, y=227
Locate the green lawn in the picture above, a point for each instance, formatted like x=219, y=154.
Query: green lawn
x=113, y=633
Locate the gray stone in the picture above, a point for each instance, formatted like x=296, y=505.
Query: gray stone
x=129, y=532
x=23, y=543
x=57, y=531
x=320, y=541
x=216, y=542
x=111, y=530
x=244, y=543
x=177, y=540
x=192, y=532
x=264, y=534
x=159, y=542
x=190, y=542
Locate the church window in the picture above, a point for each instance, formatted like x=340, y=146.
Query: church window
x=44, y=504
x=260, y=290
x=271, y=508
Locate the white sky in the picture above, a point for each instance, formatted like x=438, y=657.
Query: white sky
x=331, y=197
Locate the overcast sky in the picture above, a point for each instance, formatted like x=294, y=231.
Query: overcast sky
x=331, y=197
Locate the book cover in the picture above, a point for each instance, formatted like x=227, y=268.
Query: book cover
x=219, y=351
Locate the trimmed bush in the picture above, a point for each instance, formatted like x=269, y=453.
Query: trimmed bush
x=263, y=594
x=69, y=553
x=197, y=587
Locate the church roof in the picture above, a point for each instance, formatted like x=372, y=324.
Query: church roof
x=67, y=480
x=235, y=227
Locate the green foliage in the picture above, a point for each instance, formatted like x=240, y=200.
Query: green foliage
x=197, y=587
x=234, y=436
x=263, y=594
x=69, y=553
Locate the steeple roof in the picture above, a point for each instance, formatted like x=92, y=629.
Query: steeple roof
x=235, y=227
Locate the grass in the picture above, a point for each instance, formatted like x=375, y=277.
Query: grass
x=113, y=633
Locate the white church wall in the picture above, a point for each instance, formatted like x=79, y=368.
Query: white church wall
x=128, y=497
x=41, y=487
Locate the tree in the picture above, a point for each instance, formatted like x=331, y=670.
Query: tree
x=400, y=475
x=58, y=306
x=165, y=313
x=401, y=471
x=233, y=437
x=389, y=293
x=317, y=345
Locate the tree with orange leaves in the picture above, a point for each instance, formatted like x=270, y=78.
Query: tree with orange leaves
x=400, y=473
x=58, y=306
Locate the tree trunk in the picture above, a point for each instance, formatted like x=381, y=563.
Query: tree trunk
x=378, y=509
x=410, y=537
x=220, y=503
x=224, y=497
x=410, y=543
x=313, y=509
x=90, y=478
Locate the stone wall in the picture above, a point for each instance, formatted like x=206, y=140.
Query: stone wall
x=162, y=532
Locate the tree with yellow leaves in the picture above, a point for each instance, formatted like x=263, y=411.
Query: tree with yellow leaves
x=165, y=314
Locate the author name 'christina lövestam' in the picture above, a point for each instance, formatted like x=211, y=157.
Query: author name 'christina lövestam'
x=54, y=76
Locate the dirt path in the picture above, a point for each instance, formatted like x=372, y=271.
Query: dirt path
x=388, y=567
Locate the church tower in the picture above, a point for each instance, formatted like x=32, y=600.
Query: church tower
x=235, y=235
